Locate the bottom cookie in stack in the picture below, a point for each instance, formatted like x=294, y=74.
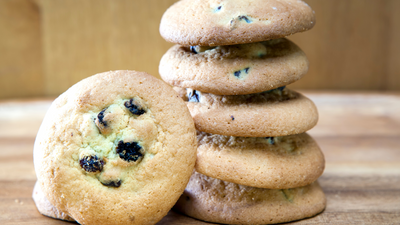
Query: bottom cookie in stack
x=218, y=201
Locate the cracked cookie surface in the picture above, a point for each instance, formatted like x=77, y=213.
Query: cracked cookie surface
x=115, y=148
x=230, y=22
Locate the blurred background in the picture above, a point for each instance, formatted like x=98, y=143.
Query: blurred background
x=48, y=45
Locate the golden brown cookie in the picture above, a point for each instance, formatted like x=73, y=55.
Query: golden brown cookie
x=234, y=69
x=219, y=201
x=45, y=207
x=274, y=162
x=230, y=22
x=115, y=148
x=274, y=113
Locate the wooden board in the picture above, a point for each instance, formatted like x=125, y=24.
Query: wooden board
x=21, y=59
x=352, y=45
x=359, y=134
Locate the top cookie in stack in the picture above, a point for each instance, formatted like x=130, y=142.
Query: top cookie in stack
x=232, y=22
x=231, y=64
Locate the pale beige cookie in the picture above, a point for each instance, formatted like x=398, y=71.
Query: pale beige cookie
x=45, y=207
x=116, y=148
x=219, y=201
x=267, y=114
x=229, y=22
x=274, y=162
x=234, y=69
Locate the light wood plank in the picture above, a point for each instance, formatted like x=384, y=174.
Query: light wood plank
x=361, y=114
x=22, y=118
x=393, y=64
x=353, y=45
x=46, y=46
x=82, y=38
x=21, y=72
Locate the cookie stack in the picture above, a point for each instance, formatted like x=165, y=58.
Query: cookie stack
x=255, y=163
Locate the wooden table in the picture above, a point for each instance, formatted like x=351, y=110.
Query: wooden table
x=359, y=134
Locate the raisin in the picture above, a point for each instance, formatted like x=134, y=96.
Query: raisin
x=200, y=49
x=276, y=89
x=288, y=194
x=129, y=151
x=281, y=88
x=134, y=107
x=239, y=72
x=92, y=163
x=270, y=140
x=193, y=49
x=100, y=117
x=112, y=183
x=193, y=96
x=245, y=19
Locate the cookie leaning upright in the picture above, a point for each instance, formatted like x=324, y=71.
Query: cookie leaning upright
x=116, y=148
x=230, y=22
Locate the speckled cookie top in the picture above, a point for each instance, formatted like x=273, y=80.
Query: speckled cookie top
x=234, y=69
x=277, y=112
x=113, y=139
x=264, y=162
x=229, y=22
x=218, y=201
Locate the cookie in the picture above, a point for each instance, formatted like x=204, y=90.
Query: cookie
x=234, y=69
x=272, y=162
x=230, y=22
x=45, y=207
x=279, y=112
x=219, y=201
x=115, y=148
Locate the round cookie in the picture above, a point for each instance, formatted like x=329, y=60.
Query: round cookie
x=223, y=22
x=116, y=148
x=234, y=69
x=274, y=162
x=219, y=201
x=45, y=207
x=274, y=113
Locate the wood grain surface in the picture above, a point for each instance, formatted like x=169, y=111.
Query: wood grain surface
x=359, y=134
x=21, y=58
x=46, y=46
